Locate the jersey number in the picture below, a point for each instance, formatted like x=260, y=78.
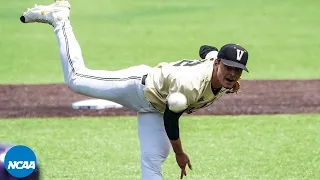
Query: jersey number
x=188, y=63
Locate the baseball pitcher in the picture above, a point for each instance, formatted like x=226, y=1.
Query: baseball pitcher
x=145, y=89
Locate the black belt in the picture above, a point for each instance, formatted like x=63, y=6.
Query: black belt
x=143, y=80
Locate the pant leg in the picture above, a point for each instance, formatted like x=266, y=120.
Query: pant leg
x=122, y=86
x=154, y=145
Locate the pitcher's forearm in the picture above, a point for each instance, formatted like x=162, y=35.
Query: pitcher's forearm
x=177, y=146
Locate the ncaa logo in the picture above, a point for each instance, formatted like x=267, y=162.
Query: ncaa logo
x=20, y=161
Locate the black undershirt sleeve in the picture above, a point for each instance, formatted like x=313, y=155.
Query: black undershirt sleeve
x=171, y=123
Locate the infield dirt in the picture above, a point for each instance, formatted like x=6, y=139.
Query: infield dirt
x=256, y=97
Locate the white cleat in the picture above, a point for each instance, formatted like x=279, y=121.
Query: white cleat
x=51, y=14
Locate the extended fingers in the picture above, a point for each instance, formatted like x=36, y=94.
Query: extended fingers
x=189, y=165
x=183, y=173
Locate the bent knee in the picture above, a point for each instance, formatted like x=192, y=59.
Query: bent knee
x=75, y=83
x=154, y=160
x=71, y=82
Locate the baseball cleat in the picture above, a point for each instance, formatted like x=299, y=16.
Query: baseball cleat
x=50, y=14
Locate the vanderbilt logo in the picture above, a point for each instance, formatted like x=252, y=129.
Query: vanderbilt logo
x=239, y=54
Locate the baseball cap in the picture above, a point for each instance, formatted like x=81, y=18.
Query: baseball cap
x=234, y=55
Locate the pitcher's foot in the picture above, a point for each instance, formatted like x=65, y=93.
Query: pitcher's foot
x=51, y=14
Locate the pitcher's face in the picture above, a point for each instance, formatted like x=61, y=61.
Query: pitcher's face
x=227, y=75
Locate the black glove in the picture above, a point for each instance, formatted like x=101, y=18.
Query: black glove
x=205, y=49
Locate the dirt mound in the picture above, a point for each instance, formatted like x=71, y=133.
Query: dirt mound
x=256, y=97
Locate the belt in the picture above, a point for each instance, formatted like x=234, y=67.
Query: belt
x=143, y=80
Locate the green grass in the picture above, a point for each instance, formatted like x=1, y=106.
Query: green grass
x=281, y=36
x=278, y=147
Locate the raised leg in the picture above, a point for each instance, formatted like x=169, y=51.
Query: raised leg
x=122, y=86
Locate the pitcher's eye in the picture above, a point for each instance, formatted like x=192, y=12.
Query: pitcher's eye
x=229, y=67
x=238, y=69
x=234, y=69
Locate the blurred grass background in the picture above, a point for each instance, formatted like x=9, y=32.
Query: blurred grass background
x=281, y=36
